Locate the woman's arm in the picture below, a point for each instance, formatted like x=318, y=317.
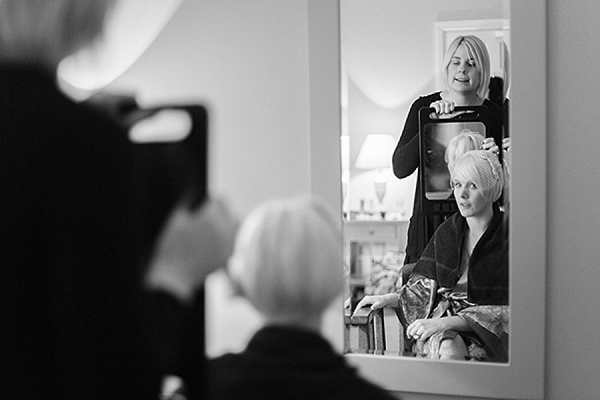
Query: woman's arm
x=406, y=156
x=380, y=301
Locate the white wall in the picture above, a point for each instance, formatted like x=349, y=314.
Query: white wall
x=573, y=275
x=249, y=62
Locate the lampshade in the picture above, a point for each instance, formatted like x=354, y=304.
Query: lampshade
x=376, y=151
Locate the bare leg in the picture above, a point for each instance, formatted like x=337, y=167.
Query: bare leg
x=453, y=349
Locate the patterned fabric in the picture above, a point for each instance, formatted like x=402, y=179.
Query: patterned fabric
x=385, y=275
x=417, y=298
x=421, y=298
x=382, y=279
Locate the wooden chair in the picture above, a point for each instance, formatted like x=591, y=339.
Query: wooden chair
x=371, y=328
x=371, y=331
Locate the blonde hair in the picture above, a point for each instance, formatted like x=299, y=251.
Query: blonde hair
x=287, y=258
x=466, y=140
x=482, y=168
x=44, y=32
x=477, y=50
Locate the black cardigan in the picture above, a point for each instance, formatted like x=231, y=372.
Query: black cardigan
x=284, y=362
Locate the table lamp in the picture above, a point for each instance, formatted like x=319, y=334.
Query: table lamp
x=376, y=154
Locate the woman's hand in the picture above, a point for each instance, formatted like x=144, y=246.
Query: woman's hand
x=443, y=107
x=489, y=144
x=424, y=328
x=347, y=302
x=378, y=301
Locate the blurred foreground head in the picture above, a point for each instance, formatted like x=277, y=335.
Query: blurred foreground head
x=287, y=260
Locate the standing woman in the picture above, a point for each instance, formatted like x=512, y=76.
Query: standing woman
x=466, y=71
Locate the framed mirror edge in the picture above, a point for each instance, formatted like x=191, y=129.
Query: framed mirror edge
x=523, y=376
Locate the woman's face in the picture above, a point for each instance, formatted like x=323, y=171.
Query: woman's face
x=470, y=199
x=464, y=75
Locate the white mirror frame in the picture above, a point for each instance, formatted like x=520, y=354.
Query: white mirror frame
x=523, y=376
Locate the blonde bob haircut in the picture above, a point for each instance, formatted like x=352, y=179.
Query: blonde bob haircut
x=483, y=169
x=466, y=140
x=44, y=32
x=287, y=259
x=477, y=50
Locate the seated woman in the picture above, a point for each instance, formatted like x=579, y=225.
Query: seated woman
x=455, y=303
x=287, y=262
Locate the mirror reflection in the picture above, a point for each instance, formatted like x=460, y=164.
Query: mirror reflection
x=442, y=145
x=425, y=177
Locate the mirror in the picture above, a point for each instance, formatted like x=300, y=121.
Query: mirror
x=523, y=376
x=438, y=138
x=391, y=72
